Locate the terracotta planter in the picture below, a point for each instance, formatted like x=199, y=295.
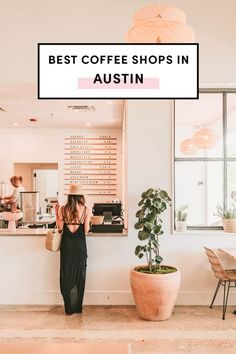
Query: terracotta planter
x=229, y=225
x=154, y=294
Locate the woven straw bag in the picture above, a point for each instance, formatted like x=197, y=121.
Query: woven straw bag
x=53, y=240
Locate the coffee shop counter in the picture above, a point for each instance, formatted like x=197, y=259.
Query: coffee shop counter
x=42, y=232
x=30, y=273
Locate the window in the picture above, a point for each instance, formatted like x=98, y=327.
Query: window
x=205, y=156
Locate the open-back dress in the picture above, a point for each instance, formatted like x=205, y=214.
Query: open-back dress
x=73, y=256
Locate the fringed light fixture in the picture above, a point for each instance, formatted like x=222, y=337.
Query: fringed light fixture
x=202, y=139
x=205, y=138
x=160, y=24
x=187, y=147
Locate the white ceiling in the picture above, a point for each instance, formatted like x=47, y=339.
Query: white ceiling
x=20, y=105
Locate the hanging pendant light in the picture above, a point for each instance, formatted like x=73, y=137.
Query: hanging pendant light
x=205, y=138
x=187, y=147
x=160, y=24
x=153, y=12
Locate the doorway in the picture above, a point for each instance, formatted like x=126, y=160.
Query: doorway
x=46, y=182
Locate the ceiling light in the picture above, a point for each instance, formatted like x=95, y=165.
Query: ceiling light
x=187, y=147
x=112, y=120
x=88, y=124
x=15, y=124
x=205, y=138
x=160, y=24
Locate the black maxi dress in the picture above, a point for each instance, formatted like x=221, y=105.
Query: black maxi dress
x=73, y=257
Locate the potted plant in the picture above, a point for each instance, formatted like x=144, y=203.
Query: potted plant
x=181, y=219
x=154, y=286
x=228, y=217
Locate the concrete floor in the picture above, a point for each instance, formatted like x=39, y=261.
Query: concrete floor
x=115, y=330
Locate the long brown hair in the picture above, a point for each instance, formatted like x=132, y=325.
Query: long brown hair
x=70, y=210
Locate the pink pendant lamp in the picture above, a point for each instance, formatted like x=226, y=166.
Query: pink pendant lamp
x=160, y=24
x=187, y=147
x=205, y=138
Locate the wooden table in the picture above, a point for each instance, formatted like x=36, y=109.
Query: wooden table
x=231, y=252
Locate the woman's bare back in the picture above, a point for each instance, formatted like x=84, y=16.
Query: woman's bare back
x=81, y=218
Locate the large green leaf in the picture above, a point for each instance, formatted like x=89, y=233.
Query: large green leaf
x=148, y=203
x=140, y=214
x=143, y=235
x=141, y=202
x=148, y=225
x=157, y=229
x=148, y=193
x=158, y=259
x=164, y=195
x=138, y=225
x=157, y=205
x=151, y=217
x=138, y=249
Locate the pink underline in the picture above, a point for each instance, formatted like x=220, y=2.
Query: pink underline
x=148, y=83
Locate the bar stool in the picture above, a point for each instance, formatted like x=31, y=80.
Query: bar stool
x=225, y=278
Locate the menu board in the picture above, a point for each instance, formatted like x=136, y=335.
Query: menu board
x=92, y=162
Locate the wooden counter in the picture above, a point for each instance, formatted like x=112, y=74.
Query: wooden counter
x=42, y=232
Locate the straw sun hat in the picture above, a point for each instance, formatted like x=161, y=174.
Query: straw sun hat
x=75, y=189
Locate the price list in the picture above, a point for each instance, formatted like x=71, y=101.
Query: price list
x=92, y=162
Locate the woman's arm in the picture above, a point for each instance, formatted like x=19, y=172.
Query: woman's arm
x=87, y=221
x=59, y=217
x=8, y=198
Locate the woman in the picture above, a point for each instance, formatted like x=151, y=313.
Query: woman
x=14, y=198
x=73, y=221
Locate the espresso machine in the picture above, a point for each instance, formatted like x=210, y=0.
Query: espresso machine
x=113, y=221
